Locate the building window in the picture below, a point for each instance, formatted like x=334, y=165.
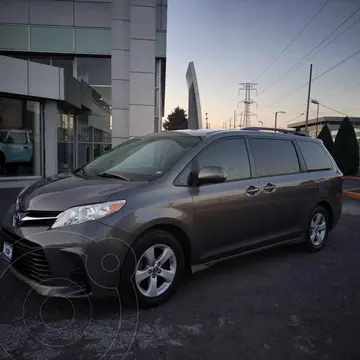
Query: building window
x=66, y=131
x=95, y=71
x=51, y=39
x=65, y=63
x=14, y=37
x=94, y=130
x=105, y=92
x=160, y=44
x=20, y=140
x=97, y=125
x=93, y=41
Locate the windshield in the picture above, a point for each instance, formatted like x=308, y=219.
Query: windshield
x=145, y=158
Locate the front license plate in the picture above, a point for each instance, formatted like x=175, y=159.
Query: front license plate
x=7, y=251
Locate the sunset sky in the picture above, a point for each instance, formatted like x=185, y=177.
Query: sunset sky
x=232, y=41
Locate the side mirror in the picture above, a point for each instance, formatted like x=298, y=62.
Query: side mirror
x=211, y=175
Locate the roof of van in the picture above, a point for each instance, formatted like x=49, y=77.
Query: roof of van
x=250, y=131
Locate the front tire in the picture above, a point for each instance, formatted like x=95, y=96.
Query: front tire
x=318, y=229
x=153, y=275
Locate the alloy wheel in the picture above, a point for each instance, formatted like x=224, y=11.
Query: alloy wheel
x=318, y=229
x=155, y=271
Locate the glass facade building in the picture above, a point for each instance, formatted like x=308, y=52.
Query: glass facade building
x=77, y=78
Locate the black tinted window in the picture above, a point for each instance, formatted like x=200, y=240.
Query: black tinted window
x=230, y=154
x=274, y=157
x=315, y=156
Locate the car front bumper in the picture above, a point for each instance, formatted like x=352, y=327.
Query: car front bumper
x=73, y=261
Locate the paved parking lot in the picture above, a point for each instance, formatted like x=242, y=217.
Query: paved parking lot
x=280, y=304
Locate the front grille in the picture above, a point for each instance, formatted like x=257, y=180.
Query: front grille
x=29, y=260
x=39, y=218
x=34, y=213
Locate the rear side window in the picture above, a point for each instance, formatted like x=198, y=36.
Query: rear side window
x=315, y=156
x=274, y=157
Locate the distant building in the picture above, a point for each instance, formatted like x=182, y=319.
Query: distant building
x=333, y=123
x=194, y=108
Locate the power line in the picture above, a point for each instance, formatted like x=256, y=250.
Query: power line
x=328, y=107
x=342, y=91
x=301, y=62
x=294, y=118
x=292, y=41
x=357, y=52
x=338, y=64
x=353, y=110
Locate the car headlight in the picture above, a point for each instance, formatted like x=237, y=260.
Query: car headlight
x=85, y=213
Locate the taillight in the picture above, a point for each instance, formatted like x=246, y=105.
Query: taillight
x=341, y=179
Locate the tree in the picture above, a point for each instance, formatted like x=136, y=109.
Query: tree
x=327, y=139
x=346, y=148
x=176, y=120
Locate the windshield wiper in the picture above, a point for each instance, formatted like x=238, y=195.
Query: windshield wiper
x=82, y=170
x=114, y=176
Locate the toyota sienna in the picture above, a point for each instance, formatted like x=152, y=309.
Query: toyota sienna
x=141, y=215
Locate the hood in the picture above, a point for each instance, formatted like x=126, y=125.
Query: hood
x=60, y=192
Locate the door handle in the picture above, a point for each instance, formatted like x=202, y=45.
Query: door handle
x=269, y=188
x=25, y=147
x=252, y=190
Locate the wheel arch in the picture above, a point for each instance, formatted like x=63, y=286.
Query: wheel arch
x=326, y=205
x=176, y=230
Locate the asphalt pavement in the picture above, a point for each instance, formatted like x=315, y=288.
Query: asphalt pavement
x=280, y=304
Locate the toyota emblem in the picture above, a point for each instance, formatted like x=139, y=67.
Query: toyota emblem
x=16, y=220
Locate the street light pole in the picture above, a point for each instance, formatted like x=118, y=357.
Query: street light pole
x=317, y=119
x=308, y=100
x=276, y=114
x=317, y=116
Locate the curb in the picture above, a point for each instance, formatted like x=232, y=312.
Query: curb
x=352, y=195
x=352, y=177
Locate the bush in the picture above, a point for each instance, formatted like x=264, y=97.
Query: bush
x=346, y=148
x=326, y=138
x=176, y=120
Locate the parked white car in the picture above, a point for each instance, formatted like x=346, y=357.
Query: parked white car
x=16, y=147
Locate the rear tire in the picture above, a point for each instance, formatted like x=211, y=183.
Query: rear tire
x=154, y=274
x=318, y=229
